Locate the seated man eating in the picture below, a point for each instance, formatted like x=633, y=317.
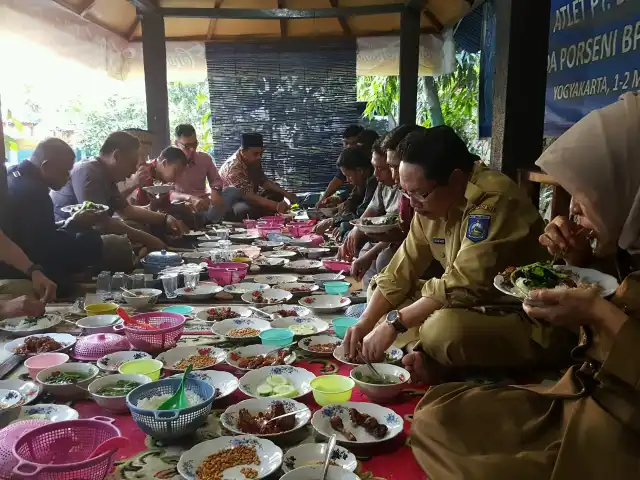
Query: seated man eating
x=191, y=184
x=475, y=222
x=96, y=179
x=166, y=168
x=243, y=171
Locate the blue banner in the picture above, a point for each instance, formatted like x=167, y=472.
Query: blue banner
x=594, y=57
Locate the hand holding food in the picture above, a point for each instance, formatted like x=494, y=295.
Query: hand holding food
x=21, y=306
x=45, y=288
x=566, y=239
x=360, y=266
x=568, y=307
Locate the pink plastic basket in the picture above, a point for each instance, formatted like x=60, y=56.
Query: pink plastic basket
x=272, y=219
x=169, y=330
x=299, y=230
x=94, y=347
x=60, y=451
x=8, y=438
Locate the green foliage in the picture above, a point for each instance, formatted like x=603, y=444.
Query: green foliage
x=9, y=141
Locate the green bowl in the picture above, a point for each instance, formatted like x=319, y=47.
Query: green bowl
x=341, y=324
x=332, y=389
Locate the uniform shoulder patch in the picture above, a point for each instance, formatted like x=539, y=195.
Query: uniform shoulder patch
x=478, y=227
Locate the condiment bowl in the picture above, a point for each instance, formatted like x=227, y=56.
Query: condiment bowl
x=375, y=392
x=117, y=403
x=68, y=390
x=330, y=389
x=38, y=363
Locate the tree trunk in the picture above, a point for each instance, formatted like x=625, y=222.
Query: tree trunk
x=431, y=94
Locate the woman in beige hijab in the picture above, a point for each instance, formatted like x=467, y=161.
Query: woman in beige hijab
x=587, y=425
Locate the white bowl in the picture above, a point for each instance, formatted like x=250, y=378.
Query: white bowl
x=305, y=343
x=68, y=390
x=244, y=237
x=149, y=296
x=315, y=252
x=229, y=419
x=304, y=266
x=174, y=356
x=266, y=263
x=224, y=382
x=158, y=189
x=315, y=471
x=299, y=378
x=275, y=279
x=383, y=415
x=199, y=292
x=274, y=309
x=304, y=289
x=392, y=355
x=48, y=411
x=67, y=341
x=242, y=288
x=237, y=309
x=119, y=403
x=234, y=356
x=311, y=454
x=272, y=296
x=99, y=323
x=225, y=326
x=112, y=361
x=328, y=277
x=269, y=455
x=380, y=393
x=267, y=244
x=318, y=325
x=325, y=303
x=28, y=325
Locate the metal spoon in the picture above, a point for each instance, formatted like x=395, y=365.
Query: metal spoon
x=337, y=277
x=371, y=367
x=265, y=422
x=270, y=316
x=327, y=459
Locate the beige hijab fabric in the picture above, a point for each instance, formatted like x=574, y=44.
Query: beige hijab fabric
x=598, y=161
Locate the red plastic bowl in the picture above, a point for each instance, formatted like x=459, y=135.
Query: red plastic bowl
x=336, y=266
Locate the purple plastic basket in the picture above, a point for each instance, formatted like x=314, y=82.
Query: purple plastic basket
x=60, y=451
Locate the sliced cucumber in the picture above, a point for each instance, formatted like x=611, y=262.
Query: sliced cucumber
x=303, y=329
x=275, y=380
x=285, y=391
x=264, y=390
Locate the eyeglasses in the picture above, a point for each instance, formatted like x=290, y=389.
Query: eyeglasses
x=190, y=146
x=417, y=197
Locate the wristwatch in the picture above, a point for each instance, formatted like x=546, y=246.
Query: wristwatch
x=393, y=319
x=33, y=268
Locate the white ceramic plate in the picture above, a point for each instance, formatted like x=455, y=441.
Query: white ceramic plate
x=325, y=303
x=391, y=355
x=275, y=309
x=222, y=328
x=378, y=224
x=112, y=361
x=308, y=342
x=64, y=339
x=238, y=310
x=242, y=288
x=194, y=233
x=205, y=246
x=309, y=454
x=247, y=251
x=235, y=355
x=271, y=296
x=280, y=254
x=269, y=456
x=267, y=244
x=174, y=356
x=270, y=262
x=195, y=256
x=28, y=389
x=200, y=292
x=212, y=238
x=318, y=325
x=49, y=411
x=328, y=277
x=607, y=283
x=298, y=289
x=99, y=208
x=304, y=266
x=229, y=419
x=275, y=279
x=299, y=378
x=383, y=415
x=158, y=189
x=28, y=325
x=244, y=237
x=225, y=382
x=315, y=471
x=9, y=398
x=315, y=252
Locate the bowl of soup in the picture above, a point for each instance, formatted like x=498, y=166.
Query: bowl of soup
x=385, y=388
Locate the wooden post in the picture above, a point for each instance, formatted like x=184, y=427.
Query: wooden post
x=154, y=52
x=409, y=58
x=519, y=83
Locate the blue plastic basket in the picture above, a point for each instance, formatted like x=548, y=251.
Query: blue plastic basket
x=170, y=424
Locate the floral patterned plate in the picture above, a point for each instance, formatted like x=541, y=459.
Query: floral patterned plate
x=28, y=389
x=391, y=355
x=229, y=419
x=313, y=325
x=9, y=398
x=384, y=416
x=314, y=454
x=269, y=456
x=51, y=412
x=224, y=382
x=112, y=361
x=325, y=303
x=299, y=378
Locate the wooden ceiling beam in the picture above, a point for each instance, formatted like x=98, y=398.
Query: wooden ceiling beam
x=280, y=13
x=213, y=21
x=144, y=6
x=76, y=11
x=132, y=29
x=346, y=29
x=85, y=7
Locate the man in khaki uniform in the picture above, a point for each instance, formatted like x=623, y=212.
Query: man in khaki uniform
x=475, y=222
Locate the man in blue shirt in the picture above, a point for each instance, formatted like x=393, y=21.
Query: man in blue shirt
x=62, y=249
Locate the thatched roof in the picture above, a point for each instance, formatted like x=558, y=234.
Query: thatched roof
x=120, y=17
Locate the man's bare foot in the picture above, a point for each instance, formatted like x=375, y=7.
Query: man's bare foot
x=422, y=369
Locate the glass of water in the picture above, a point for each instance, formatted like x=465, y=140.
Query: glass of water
x=170, y=284
x=137, y=281
x=223, y=234
x=191, y=280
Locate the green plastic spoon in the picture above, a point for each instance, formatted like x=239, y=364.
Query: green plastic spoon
x=179, y=399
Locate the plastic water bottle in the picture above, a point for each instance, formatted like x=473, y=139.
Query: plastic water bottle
x=117, y=282
x=103, y=285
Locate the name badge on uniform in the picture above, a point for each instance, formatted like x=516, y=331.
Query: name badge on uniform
x=478, y=227
x=439, y=241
